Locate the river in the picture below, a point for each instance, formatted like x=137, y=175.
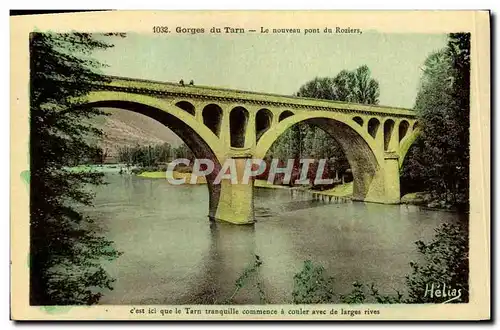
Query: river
x=172, y=254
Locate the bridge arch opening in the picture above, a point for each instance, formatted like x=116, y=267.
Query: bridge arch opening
x=388, y=128
x=403, y=129
x=200, y=147
x=285, y=114
x=358, y=120
x=238, y=120
x=212, y=117
x=416, y=125
x=373, y=125
x=186, y=106
x=263, y=120
x=361, y=161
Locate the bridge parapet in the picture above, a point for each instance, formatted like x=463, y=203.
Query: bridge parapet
x=173, y=90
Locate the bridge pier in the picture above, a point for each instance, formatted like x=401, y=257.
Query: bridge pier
x=235, y=204
x=391, y=178
x=384, y=187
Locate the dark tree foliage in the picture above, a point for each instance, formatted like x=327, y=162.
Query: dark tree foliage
x=312, y=285
x=441, y=158
x=304, y=141
x=65, y=253
x=153, y=155
x=445, y=261
x=355, y=86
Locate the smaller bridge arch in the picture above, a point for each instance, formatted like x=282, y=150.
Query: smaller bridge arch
x=403, y=129
x=284, y=115
x=373, y=126
x=358, y=120
x=238, y=120
x=212, y=117
x=263, y=121
x=186, y=106
x=388, y=129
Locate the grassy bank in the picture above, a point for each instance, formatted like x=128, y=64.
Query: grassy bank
x=415, y=198
x=104, y=168
x=176, y=175
x=344, y=190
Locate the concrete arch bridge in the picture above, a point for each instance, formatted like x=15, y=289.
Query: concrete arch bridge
x=222, y=124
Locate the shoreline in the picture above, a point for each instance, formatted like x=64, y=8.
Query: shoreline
x=344, y=191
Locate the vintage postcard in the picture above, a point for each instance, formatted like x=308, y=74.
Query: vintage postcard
x=250, y=165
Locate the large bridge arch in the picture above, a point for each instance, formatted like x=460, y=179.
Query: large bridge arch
x=199, y=138
x=359, y=147
x=196, y=135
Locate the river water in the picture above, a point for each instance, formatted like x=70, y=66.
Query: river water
x=172, y=253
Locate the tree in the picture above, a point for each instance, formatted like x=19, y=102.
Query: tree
x=441, y=157
x=65, y=253
x=348, y=86
x=364, y=89
x=319, y=88
x=312, y=285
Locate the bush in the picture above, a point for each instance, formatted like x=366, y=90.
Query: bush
x=446, y=260
x=312, y=285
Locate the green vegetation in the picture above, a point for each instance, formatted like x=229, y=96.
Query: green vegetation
x=445, y=260
x=438, y=163
x=151, y=156
x=342, y=190
x=152, y=175
x=312, y=285
x=251, y=272
x=65, y=255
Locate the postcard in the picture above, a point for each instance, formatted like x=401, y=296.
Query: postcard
x=250, y=165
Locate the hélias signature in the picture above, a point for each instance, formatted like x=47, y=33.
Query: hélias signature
x=442, y=291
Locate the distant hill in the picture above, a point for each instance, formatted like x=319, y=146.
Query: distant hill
x=126, y=128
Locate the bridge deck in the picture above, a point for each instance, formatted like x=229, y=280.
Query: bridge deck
x=224, y=94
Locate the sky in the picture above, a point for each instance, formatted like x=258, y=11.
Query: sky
x=275, y=63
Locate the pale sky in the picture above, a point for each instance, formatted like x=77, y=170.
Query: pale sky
x=275, y=63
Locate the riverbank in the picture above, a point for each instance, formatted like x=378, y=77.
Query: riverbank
x=343, y=190
x=426, y=201
x=415, y=198
x=105, y=168
x=176, y=175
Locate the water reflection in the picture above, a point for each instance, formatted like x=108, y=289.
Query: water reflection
x=174, y=255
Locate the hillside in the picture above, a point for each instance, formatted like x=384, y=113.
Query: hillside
x=126, y=128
